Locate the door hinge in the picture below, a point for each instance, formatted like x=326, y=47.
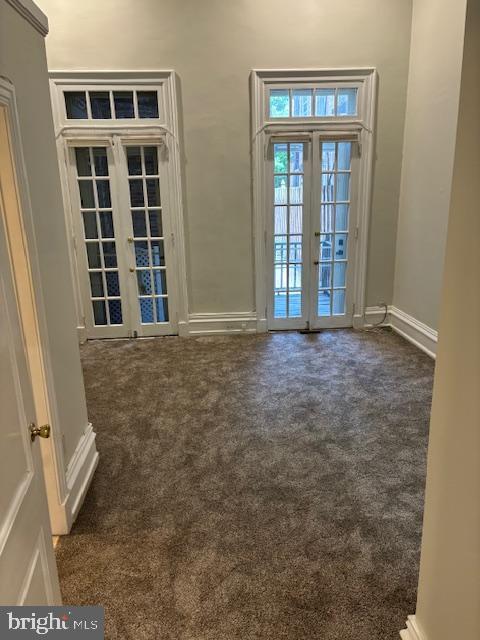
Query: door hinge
x=356, y=233
x=359, y=149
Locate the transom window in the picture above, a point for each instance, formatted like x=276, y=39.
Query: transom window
x=104, y=104
x=307, y=102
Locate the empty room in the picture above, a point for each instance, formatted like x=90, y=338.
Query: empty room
x=239, y=398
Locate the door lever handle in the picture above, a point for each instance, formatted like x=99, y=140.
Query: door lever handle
x=316, y=262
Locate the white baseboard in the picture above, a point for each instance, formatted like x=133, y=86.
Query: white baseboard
x=373, y=316
x=412, y=632
x=203, y=324
x=416, y=332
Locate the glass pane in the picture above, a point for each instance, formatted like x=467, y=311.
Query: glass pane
x=280, y=248
x=100, y=161
x=147, y=102
x=280, y=158
x=280, y=276
x=139, y=224
x=341, y=217
x=280, y=304
x=296, y=157
x=279, y=103
x=325, y=247
x=295, y=304
x=328, y=187
x=325, y=276
x=99, y=312
x=134, y=161
x=115, y=310
x=87, y=201
x=123, y=104
x=328, y=156
x=302, y=102
x=343, y=186
x=295, y=277
x=82, y=156
x=324, y=302
x=93, y=255
x=151, y=160
x=280, y=220
x=100, y=104
x=295, y=254
x=136, y=193
x=338, y=302
x=156, y=230
x=113, y=285
x=325, y=102
x=326, y=218
x=153, y=192
x=96, y=284
x=76, y=105
x=346, y=102
x=296, y=219
x=344, y=155
x=160, y=280
x=103, y=193
x=340, y=246
x=339, y=274
x=280, y=186
x=146, y=310
x=162, y=309
x=106, y=224
x=158, y=256
x=90, y=224
x=109, y=254
x=144, y=282
x=141, y=254
x=296, y=189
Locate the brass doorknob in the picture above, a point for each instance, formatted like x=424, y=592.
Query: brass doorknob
x=43, y=431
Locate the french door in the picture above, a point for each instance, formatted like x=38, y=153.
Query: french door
x=312, y=231
x=123, y=238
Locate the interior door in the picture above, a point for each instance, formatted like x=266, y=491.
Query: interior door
x=289, y=232
x=27, y=563
x=334, y=234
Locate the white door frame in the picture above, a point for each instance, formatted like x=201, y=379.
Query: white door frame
x=166, y=126
x=263, y=127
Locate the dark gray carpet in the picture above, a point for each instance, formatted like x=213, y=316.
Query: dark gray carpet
x=262, y=487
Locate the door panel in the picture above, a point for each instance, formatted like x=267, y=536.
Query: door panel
x=99, y=250
x=290, y=209
x=334, y=235
x=27, y=563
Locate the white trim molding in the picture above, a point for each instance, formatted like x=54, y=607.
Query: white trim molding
x=416, y=332
x=32, y=14
x=204, y=324
x=79, y=474
x=412, y=632
x=362, y=125
x=164, y=130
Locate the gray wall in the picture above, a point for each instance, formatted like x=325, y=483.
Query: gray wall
x=430, y=128
x=23, y=62
x=213, y=45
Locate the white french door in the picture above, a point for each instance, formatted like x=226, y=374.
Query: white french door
x=124, y=240
x=312, y=232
